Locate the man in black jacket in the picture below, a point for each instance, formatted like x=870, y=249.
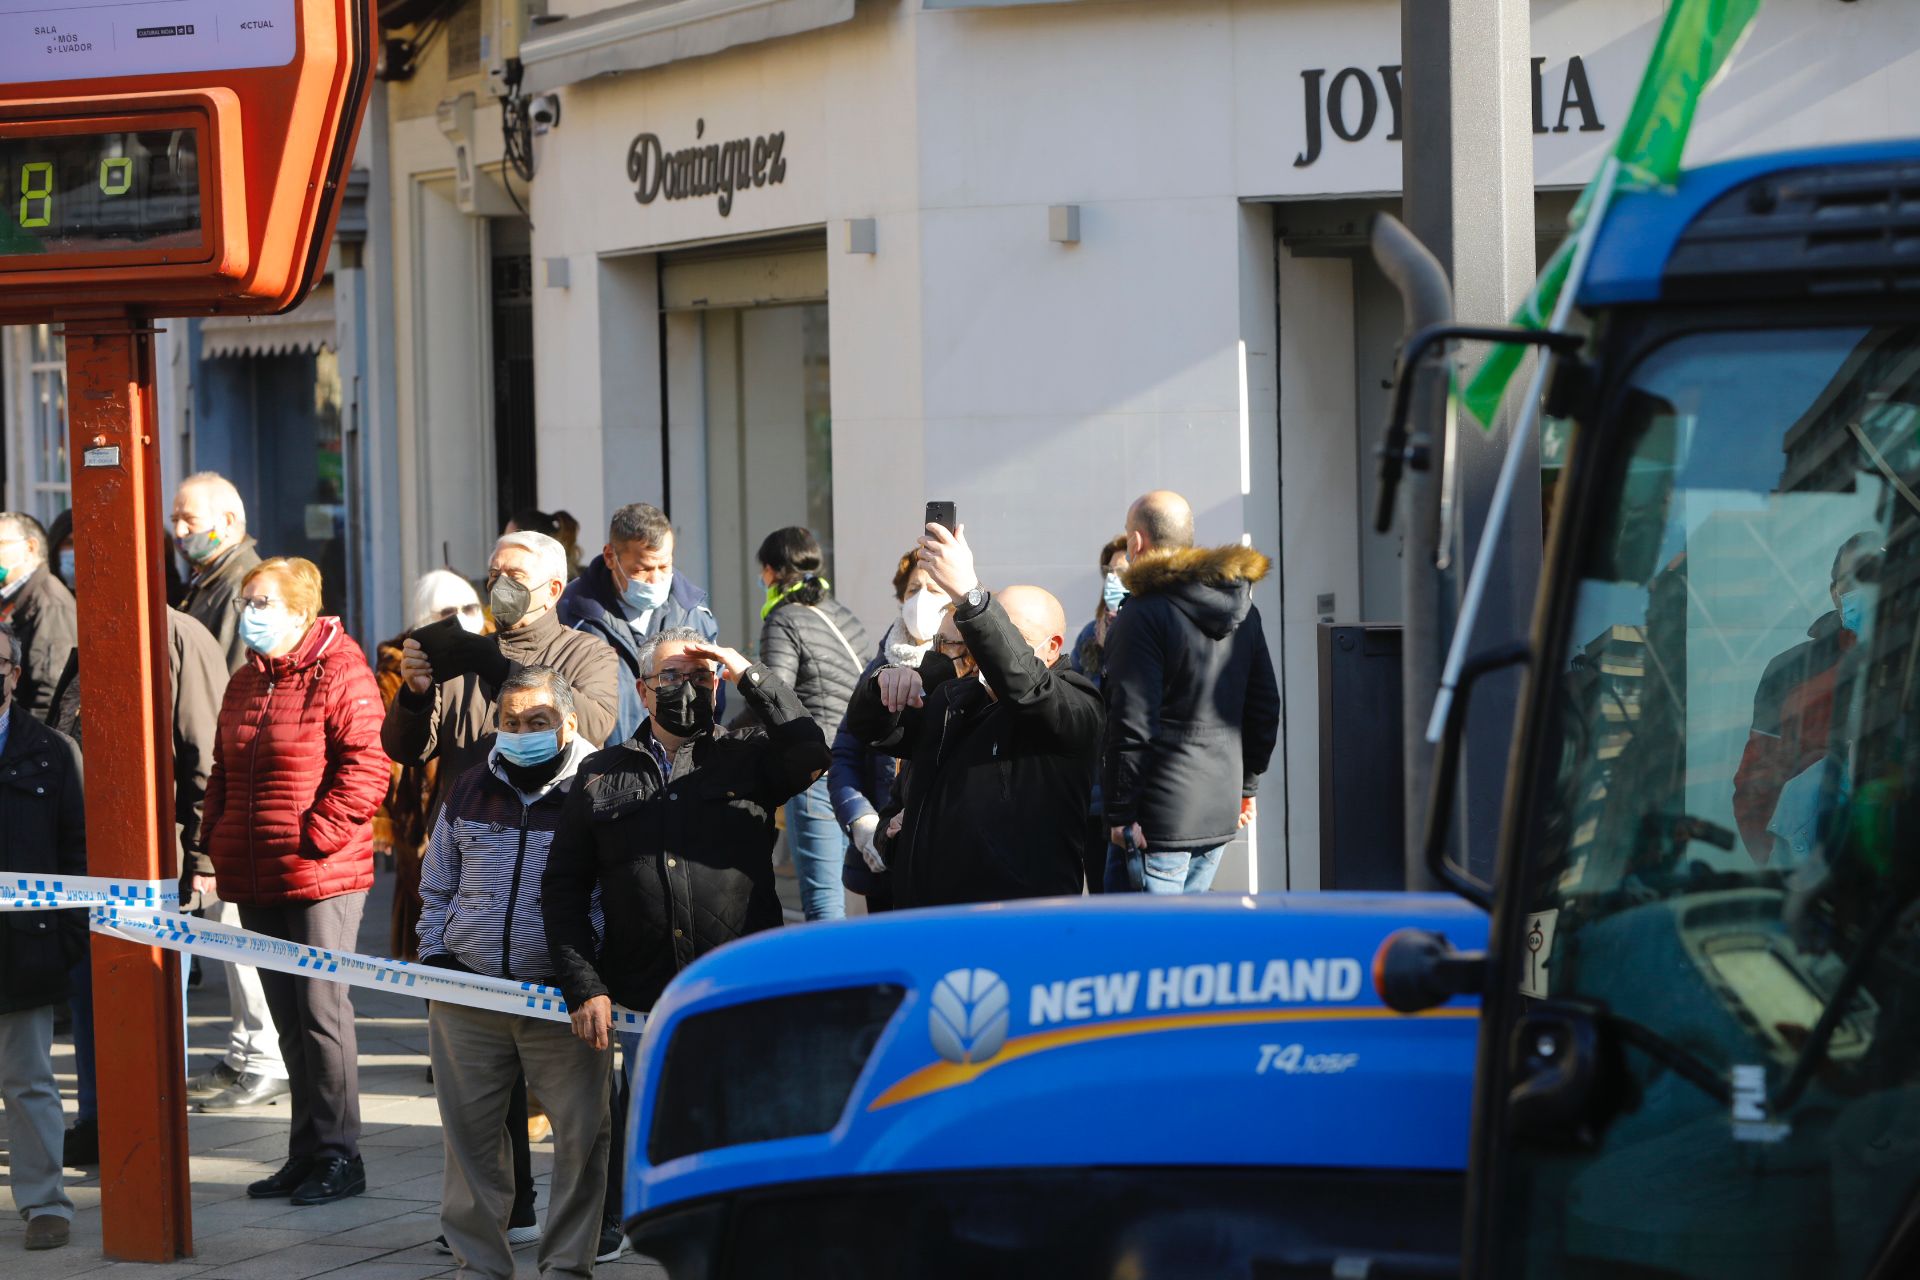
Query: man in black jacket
x=1193, y=708
x=675, y=828
x=210, y=530
x=40, y=609
x=43, y=816
x=1002, y=736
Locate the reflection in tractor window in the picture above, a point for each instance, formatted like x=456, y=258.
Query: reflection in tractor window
x=1728, y=862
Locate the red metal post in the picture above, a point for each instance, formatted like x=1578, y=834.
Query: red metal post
x=118, y=544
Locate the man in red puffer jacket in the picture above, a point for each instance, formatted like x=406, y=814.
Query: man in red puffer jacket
x=297, y=775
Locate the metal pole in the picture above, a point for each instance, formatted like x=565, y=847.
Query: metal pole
x=1467, y=172
x=146, y=1211
x=1426, y=167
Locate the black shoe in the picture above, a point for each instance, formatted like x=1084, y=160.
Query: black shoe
x=250, y=1090
x=333, y=1178
x=216, y=1079
x=82, y=1144
x=292, y=1174
x=613, y=1243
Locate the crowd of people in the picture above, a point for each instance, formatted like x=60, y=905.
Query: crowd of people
x=579, y=784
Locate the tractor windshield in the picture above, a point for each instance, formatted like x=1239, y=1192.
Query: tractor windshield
x=1726, y=865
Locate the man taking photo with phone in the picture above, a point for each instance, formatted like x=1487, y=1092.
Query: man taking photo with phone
x=1002, y=737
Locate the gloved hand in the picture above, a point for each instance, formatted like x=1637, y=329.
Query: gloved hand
x=453, y=652
x=863, y=832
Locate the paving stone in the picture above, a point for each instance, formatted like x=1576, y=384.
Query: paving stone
x=296, y=1263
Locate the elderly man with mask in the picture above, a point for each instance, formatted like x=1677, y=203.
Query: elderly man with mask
x=674, y=829
x=40, y=609
x=488, y=852
x=1003, y=737
x=210, y=532
x=446, y=710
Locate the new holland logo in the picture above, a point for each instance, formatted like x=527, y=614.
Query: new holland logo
x=968, y=1021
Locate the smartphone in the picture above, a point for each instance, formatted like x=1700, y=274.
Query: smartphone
x=944, y=514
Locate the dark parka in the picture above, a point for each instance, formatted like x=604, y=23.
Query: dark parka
x=209, y=600
x=997, y=793
x=41, y=612
x=591, y=603
x=43, y=832
x=683, y=865
x=1193, y=709
x=197, y=672
x=798, y=644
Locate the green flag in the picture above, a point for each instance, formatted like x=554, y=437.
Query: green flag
x=1695, y=41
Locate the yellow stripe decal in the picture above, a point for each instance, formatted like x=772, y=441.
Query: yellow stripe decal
x=941, y=1076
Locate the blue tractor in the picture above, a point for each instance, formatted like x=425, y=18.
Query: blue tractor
x=1681, y=1049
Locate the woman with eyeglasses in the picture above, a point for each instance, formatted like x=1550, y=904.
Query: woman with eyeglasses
x=297, y=774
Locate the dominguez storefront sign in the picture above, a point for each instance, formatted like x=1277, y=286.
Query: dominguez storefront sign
x=718, y=169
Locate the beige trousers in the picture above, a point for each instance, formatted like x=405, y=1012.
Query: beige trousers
x=476, y=1056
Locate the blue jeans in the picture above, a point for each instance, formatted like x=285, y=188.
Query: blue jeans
x=819, y=850
x=1173, y=872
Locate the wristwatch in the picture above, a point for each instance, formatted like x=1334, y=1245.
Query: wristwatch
x=973, y=603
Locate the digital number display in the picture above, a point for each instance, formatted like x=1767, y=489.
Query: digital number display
x=100, y=192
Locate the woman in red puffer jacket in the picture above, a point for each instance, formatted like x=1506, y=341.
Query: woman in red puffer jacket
x=297, y=775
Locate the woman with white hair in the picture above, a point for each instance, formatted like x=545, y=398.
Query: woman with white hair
x=401, y=827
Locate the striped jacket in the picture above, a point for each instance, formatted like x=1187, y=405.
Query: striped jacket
x=480, y=882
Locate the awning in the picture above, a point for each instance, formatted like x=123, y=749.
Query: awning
x=305, y=329
x=652, y=33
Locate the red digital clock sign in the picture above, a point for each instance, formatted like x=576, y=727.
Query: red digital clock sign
x=84, y=193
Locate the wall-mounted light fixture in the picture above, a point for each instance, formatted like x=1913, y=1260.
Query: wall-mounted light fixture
x=1063, y=223
x=863, y=235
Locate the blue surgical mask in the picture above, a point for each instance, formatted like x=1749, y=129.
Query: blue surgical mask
x=1853, y=611
x=263, y=630
x=529, y=748
x=645, y=597
x=1113, y=592
x=66, y=566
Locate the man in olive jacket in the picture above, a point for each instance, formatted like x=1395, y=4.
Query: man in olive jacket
x=675, y=828
x=445, y=711
x=43, y=832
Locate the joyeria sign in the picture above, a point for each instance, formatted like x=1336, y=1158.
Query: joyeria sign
x=718, y=169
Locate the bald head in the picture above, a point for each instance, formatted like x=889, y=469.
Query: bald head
x=1159, y=520
x=1038, y=617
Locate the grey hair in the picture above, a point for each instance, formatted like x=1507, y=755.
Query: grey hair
x=535, y=679
x=642, y=523
x=15, y=652
x=546, y=552
x=650, y=647
x=25, y=526
x=224, y=490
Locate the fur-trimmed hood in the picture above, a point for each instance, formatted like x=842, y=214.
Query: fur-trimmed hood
x=1211, y=585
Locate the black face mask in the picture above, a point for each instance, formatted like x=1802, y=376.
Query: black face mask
x=684, y=710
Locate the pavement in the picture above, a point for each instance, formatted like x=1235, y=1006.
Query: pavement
x=385, y=1234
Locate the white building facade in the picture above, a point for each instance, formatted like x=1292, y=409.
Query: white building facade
x=819, y=261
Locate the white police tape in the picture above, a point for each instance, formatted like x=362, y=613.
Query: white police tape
x=50, y=893
x=146, y=912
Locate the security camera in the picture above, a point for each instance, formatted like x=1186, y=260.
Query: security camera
x=545, y=112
